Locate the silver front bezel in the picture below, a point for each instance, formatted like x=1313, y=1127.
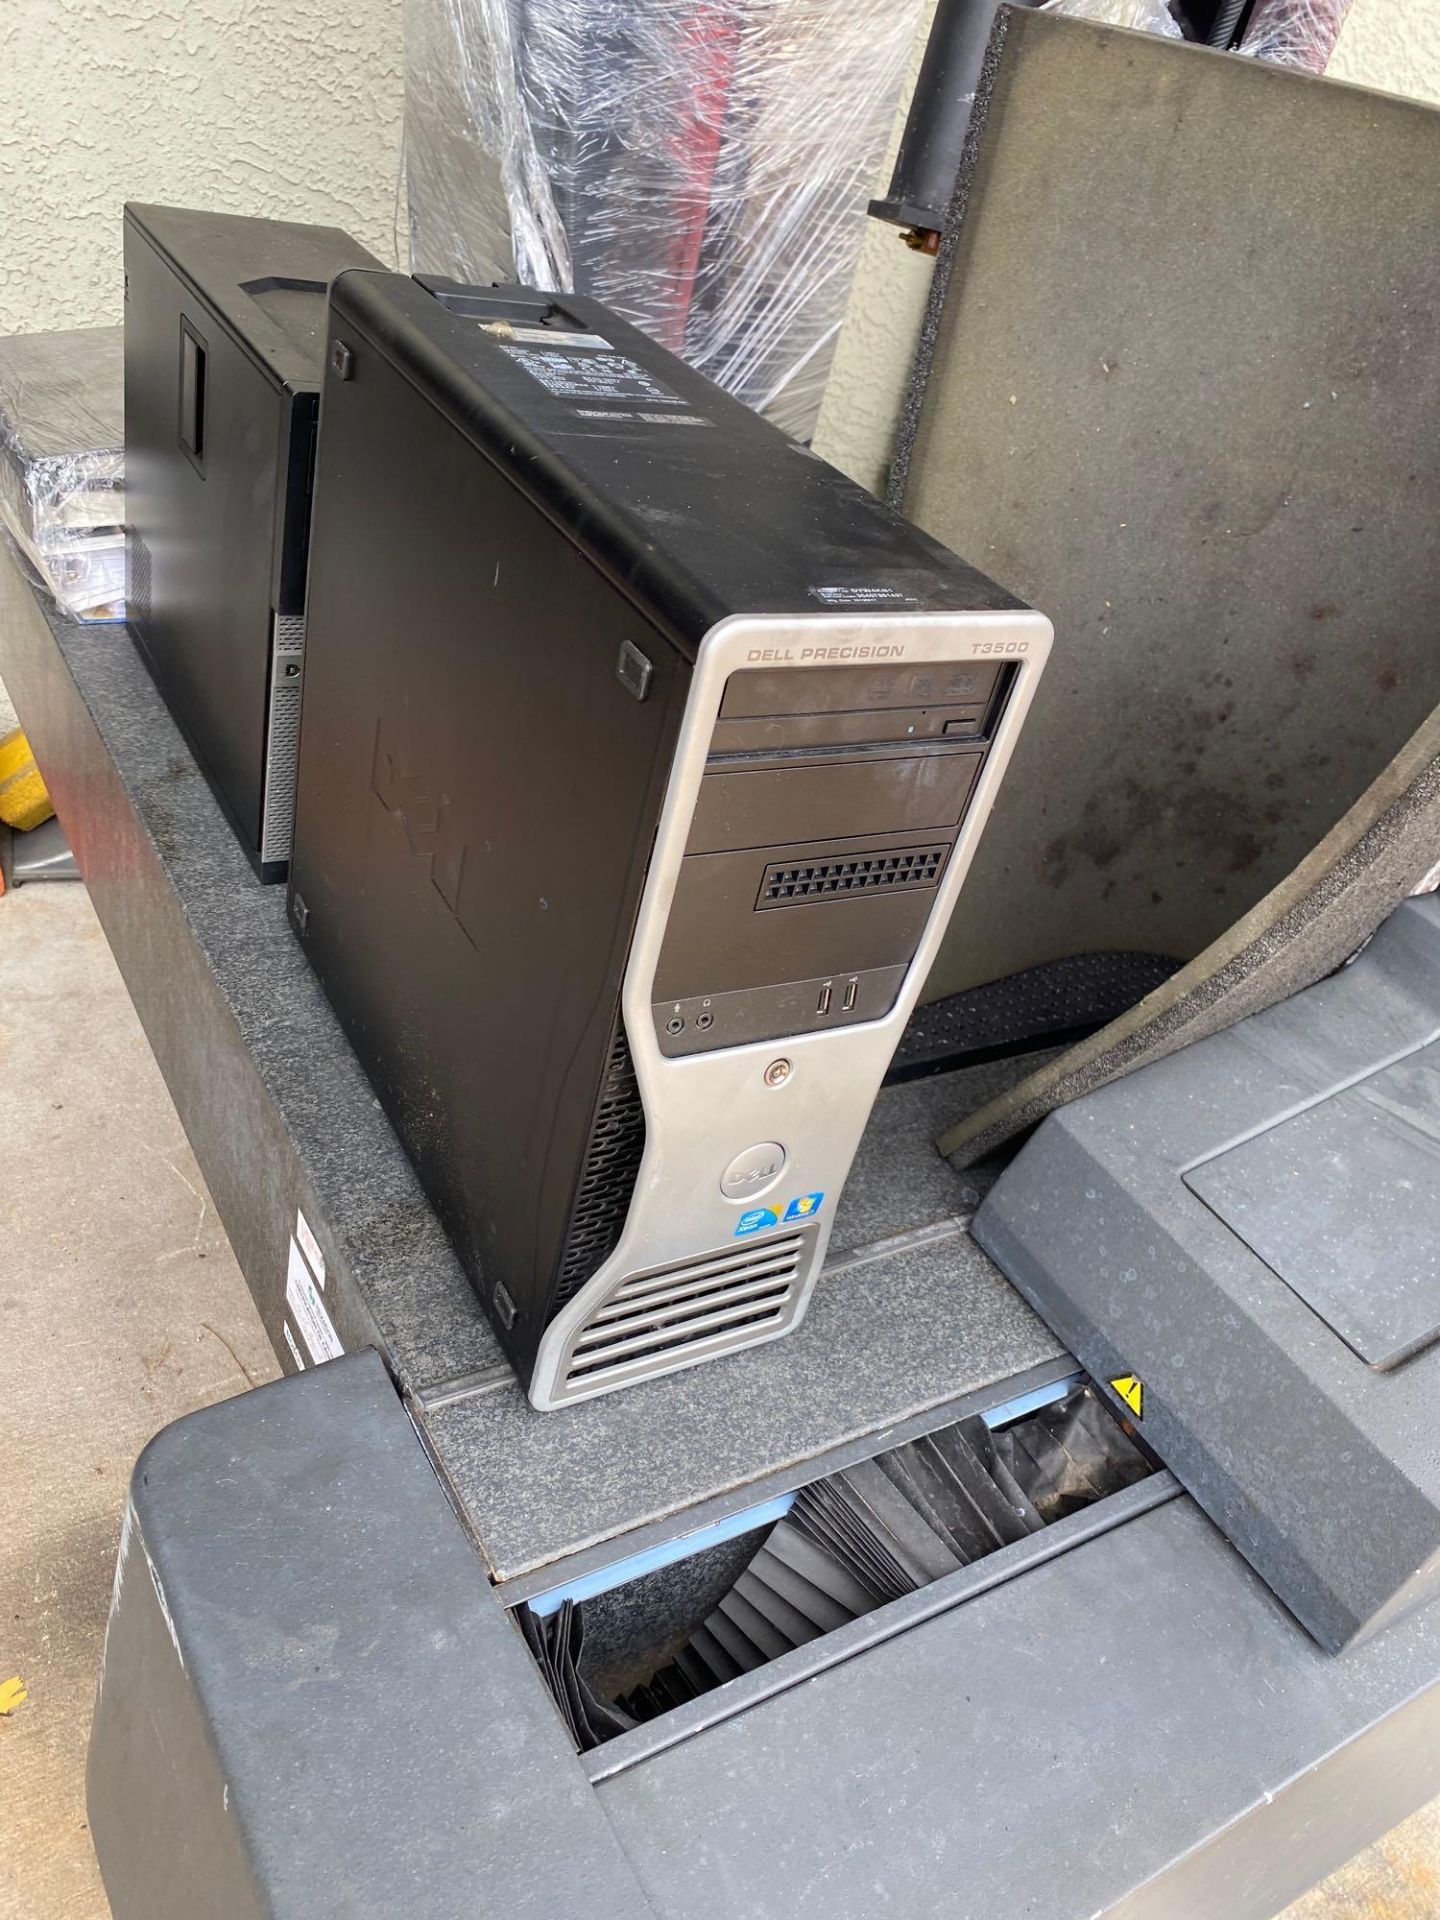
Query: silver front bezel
x=703, y=1109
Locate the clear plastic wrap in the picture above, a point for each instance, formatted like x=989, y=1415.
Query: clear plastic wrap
x=1144, y=16
x=62, y=463
x=1295, y=33
x=702, y=166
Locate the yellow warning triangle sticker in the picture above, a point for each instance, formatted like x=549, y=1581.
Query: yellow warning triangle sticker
x=1131, y=1392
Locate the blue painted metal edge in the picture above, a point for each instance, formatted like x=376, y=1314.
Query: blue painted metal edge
x=1024, y=1403
x=602, y=1579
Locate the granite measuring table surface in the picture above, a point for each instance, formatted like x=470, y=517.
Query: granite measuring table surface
x=910, y=1316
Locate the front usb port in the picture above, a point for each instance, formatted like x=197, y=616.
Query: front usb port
x=852, y=994
x=826, y=993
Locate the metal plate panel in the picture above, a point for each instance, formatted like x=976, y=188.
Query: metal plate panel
x=889, y=1332
x=1182, y=393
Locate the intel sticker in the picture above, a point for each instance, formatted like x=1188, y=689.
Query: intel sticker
x=755, y=1220
x=803, y=1205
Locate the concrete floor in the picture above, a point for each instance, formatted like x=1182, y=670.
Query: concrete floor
x=121, y=1308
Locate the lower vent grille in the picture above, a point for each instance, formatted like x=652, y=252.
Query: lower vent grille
x=719, y=1300
x=282, y=737
x=137, y=580
x=607, y=1181
x=860, y=873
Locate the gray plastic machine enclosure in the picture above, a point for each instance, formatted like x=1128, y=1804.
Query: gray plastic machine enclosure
x=1251, y=1230
x=311, y=1702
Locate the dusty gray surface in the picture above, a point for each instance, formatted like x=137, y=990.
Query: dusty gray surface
x=541, y=1485
x=1182, y=399
x=899, y=1179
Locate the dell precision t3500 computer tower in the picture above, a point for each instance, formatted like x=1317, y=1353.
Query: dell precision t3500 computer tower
x=224, y=340
x=642, y=759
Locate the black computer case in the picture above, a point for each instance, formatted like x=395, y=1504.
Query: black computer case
x=641, y=759
x=224, y=335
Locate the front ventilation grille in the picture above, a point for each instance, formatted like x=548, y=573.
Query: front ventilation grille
x=654, y=1321
x=607, y=1181
x=137, y=580
x=282, y=737
x=783, y=885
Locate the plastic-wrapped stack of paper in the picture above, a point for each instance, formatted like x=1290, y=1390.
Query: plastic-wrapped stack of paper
x=62, y=463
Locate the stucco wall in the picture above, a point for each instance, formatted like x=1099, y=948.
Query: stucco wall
x=1390, y=44
x=293, y=109
x=290, y=108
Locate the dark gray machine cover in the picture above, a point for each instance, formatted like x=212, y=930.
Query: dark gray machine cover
x=313, y=1708
x=1244, y=1242
x=1179, y=388
x=311, y=1703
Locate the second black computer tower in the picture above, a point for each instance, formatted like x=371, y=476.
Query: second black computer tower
x=224, y=336
x=643, y=756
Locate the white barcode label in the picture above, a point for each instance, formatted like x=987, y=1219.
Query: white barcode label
x=310, y=1246
x=302, y=1296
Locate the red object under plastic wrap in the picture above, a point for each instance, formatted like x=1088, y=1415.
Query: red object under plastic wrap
x=1295, y=33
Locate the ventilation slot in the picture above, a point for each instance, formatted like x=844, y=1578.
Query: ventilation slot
x=862, y=873
x=607, y=1182
x=724, y=1299
x=282, y=737
x=662, y=1628
x=137, y=580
